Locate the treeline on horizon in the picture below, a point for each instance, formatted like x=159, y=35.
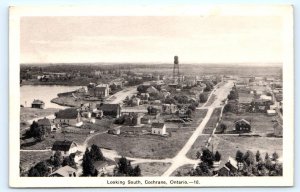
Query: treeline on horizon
x=192, y=69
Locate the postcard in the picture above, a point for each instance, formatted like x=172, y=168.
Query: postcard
x=153, y=96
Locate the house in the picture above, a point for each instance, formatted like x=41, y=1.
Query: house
x=260, y=105
x=278, y=129
x=136, y=101
x=69, y=116
x=113, y=110
x=182, y=113
x=152, y=90
x=230, y=168
x=39, y=104
x=114, y=131
x=102, y=90
x=118, y=84
x=65, y=147
x=158, y=129
x=271, y=112
x=169, y=108
x=145, y=96
x=265, y=97
x=65, y=171
x=242, y=125
x=97, y=113
x=48, y=125
x=145, y=120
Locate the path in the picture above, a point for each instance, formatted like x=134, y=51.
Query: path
x=180, y=159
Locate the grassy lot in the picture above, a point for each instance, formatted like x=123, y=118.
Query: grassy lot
x=147, y=145
x=153, y=169
x=30, y=144
x=27, y=113
x=227, y=145
x=144, y=146
x=30, y=158
x=197, y=146
x=212, y=121
x=260, y=123
x=211, y=100
x=183, y=170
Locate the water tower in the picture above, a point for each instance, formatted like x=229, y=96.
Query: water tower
x=176, y=74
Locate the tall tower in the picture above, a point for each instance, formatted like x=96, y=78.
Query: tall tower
x=176, y=69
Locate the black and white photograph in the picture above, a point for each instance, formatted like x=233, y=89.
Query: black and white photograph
x=151, y=96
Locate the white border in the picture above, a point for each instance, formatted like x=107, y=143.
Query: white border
x=284, y=11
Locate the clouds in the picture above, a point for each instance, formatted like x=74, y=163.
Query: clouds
x=151, y=39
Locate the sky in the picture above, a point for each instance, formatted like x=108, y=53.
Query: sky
x=151, y=39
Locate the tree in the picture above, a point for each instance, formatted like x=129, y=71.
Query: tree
x=124, y=166
x=217, y=156
x=267, y=156
x=223, y=127
x=249, y=158
x=39, y=170
x=189, y=113
x=57, y=159
x=275, y=156
x=198, y=154
x=137, y=171
x=88, y=168
x=257, y=156
x=239, y=156
x=96, y=154
x=70, y=161
x=207, y=156
x=203, y=97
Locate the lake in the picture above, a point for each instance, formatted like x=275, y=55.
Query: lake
x=43, y=92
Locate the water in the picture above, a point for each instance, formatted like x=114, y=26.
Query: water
x=43, y=92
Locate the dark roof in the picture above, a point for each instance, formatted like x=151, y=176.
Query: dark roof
x=44, y=122
x=242, y=120
x=158, y=125
x=70, y=113
x=62, y=145
x=108, y=107
x=37, y=101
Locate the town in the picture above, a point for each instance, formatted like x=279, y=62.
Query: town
x=144, y=120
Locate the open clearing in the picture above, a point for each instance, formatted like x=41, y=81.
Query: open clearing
x=260, y=123
x=153, y=168
x=147, y=145
x=228, y=145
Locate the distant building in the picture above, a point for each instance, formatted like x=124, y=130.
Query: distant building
x=230, y=168
x=101, y=90
x=242, y=125
x=39, y=104
x=65, y=171
x=114, y=131
x=136, y=101
x=271, y=112
x=152, y=90
x=69, y=116
x=145, y=96
x=48, y=125
x=65, y=147
x=169, y=108
x=113, y=110
x=158, y=128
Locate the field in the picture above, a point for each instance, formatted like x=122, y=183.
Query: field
x=147, y=145
x=260, y=123
x=183, y=170
x=197, y=146
x=153, y=168
x=27, y=113
x=144, y=146
x=228, y=145
x=211, y=124
x=30, y=158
